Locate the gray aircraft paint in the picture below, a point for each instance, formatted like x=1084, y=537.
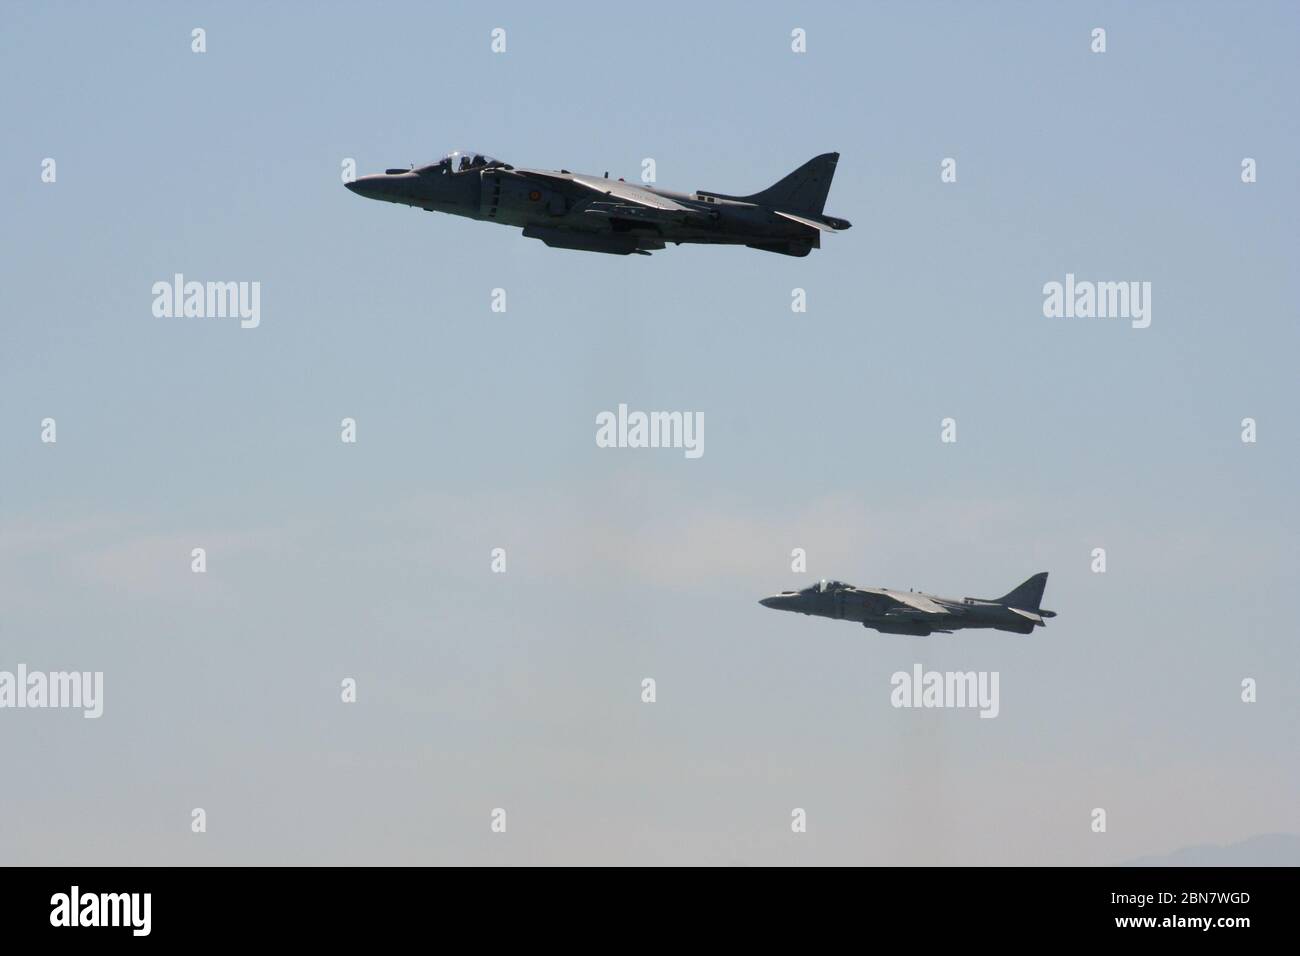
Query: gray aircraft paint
x=568, y=210
x=914, y=612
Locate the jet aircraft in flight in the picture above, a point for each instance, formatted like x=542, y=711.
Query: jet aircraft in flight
x=911, y=612
x=597, y=214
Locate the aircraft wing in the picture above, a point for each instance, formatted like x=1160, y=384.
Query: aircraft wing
x=912, y=603
x=613, y=198
x=632, y=194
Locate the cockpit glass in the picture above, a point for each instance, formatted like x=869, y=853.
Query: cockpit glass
x=461, y=161
x=464, y=160
x=823, y=586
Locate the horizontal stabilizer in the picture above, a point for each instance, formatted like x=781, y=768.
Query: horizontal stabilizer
x=1026, y=614
x=824, y=227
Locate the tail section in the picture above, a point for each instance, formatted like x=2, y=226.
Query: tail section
x=802, y=192
x=1029, y=596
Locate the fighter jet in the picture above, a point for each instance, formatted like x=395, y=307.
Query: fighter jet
x=911, y=612
x=597, y=214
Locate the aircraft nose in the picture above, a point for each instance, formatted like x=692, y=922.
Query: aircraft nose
x=785, y=601
x=368, y=186
x=362, y=186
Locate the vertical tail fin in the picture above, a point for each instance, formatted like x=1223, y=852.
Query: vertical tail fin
x=1027, y=596
x=804, y=190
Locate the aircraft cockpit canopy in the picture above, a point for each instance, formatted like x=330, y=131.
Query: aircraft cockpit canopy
x=462, y=161
x=823, y=585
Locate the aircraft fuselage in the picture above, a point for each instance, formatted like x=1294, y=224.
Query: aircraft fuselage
x=913, y=612
x=593, y=213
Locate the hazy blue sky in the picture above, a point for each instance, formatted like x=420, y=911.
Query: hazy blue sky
x=476, y=430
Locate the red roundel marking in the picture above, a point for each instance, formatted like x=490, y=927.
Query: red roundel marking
x=534, y=195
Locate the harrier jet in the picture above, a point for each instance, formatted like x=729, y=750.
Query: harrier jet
x=911, y=612
x=597, y=214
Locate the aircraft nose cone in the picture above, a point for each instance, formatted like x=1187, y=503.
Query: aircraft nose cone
x=770, y=602
x=372, y=187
